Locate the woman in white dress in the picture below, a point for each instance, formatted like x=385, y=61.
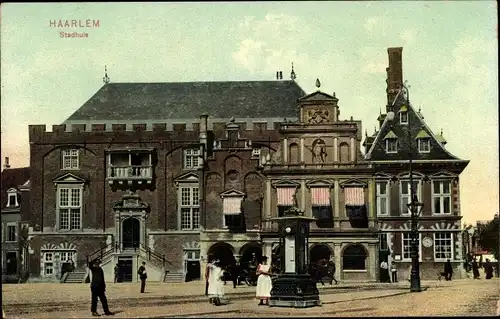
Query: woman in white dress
x=264, y=283
x=215, y=284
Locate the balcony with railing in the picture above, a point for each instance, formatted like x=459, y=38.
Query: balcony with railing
x=129, y=166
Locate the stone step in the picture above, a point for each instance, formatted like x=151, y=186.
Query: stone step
x=75, y=277
x=174, y=277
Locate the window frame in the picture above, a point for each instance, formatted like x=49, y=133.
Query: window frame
x=47, y=262
x=366, y=256
x=452, y=242
x=12, y=192
x=191, y=206
x=224, y=224
x=403, y=259
x=191, y=153
x=395, y=140
x=8, y=227
x=406, y=211
x=72, y=154
x=70, y=208
x=420, y=142
x=401, y=117
x=380, y=239
x=441, y=196
x=385, y=196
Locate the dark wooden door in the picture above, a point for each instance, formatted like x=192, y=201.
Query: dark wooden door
x=131, y=233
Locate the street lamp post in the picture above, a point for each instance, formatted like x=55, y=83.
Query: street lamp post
x=414, y=206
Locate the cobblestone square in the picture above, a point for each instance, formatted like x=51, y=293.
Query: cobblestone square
x=460, y=297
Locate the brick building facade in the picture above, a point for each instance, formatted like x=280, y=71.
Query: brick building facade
x=15, y=216
x=140, y=173
x=436, y=176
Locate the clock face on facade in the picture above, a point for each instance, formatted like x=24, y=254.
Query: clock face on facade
x=427, y=242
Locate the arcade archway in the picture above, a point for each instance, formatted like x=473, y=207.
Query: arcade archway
x=319, y=252
x=249, y=252
x=223, y=252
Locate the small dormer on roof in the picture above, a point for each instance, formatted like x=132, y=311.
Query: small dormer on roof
x=319, y=107
x=440, y=138
x=389, y=135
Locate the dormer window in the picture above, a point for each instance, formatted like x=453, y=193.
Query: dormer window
x=391, y=143
x=424, y=145
x=12, y=198
x=403, y=117
x=423, y=141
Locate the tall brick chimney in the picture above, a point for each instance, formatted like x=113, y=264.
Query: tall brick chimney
x=6, y=164
x=394, y=73
x=203, y=132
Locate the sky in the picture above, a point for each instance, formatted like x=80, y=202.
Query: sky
x=450, y=59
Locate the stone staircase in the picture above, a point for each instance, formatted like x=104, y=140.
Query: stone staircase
x=174, y=277
x=75, y=277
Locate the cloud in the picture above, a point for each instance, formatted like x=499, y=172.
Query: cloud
x=375, y=24
x=271, y=43
x=374, y=67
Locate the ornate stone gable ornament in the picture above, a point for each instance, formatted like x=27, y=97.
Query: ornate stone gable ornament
x=318, y=116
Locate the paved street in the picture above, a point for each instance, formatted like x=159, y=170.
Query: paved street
x=460, y=297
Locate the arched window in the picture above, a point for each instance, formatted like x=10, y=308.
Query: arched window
x=354, y=258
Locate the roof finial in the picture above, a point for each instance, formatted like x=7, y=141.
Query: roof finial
x=334, y=95
x=419, y=108
x=374, y=128
x=366, y=132
x=293, y=76
x=105, y=79
x=441, y=131
x=318, y=83
x=380, y=110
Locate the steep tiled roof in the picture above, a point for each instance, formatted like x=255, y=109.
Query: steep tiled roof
x=13, y=178
x=142, y=101
x=418, y=127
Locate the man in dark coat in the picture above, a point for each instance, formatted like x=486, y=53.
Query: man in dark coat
x=331, y=270
x=475, y=269
x=488, y=269
x=98, y=288
x=143, y=276
x=448, y=270
x=117, y=273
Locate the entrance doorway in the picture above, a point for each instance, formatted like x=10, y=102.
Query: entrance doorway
x=192, y=265
x=131, y=233
x=11, y=259
x=125, y=269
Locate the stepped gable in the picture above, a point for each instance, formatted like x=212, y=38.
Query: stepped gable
x=418, y=128
x=143, y=101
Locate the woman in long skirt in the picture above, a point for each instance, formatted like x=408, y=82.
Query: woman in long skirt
x=215, y=284
x=264, y=283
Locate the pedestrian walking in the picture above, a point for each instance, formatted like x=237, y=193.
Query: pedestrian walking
x=448, y=270
x=332, y=269
x=264, y=283
x=143, y=275
x=384, y=271
x=394, y=272
x=234, y=271
x=117, y=273
x=488, y=269
x=208, y=268
x=98, y=289
x=475, y=269
x=216, y=284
